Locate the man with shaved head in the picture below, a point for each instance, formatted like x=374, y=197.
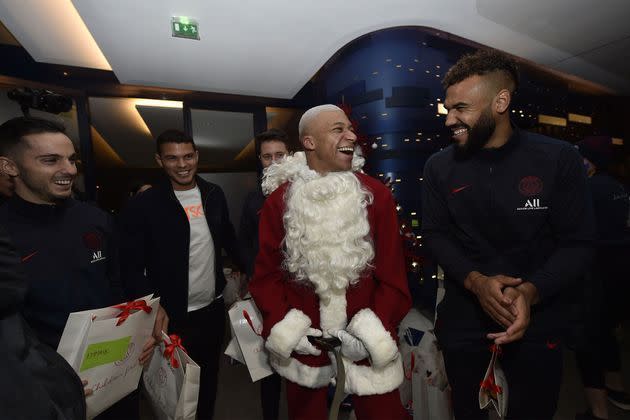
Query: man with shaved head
x=507, y=215
x=330, y=263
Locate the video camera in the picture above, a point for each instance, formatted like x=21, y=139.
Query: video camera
x=40, y=99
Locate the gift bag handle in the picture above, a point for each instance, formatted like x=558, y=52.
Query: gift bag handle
x=130, y=308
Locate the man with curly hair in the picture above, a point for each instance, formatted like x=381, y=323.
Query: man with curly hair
x=330, y=263
x=507, y=215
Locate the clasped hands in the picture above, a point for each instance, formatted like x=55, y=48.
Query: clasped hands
x=351, y=347
x=505, y=299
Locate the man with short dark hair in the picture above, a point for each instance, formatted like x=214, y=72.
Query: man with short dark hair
x=271, y=147
x=172, y=236
x=55, y=235
x=507, y=215
x=67, y=247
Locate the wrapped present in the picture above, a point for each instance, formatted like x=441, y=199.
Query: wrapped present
x=103, y=346
x=249, y=345
x=424, y=392
x=171, y=381
x=493, y=390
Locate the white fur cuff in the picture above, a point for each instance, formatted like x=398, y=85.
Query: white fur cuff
x=368, y=328
x=286, y=334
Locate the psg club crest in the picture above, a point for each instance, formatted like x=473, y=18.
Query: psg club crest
x=530, y=186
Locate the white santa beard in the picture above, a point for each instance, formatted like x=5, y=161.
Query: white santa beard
x=327, y=238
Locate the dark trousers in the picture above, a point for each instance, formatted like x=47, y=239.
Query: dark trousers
x=601, y=356
x=312, y=404
x=533, y=371
x=126, y=409
x=202, y=336
x=604, y=306
x=270, y=396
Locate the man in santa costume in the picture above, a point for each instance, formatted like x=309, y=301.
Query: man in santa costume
x=330, y=263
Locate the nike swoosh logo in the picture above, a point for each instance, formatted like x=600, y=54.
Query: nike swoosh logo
x=552, y=346
x=456, y=190
x=28, y=257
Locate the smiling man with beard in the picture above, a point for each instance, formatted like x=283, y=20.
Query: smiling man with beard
x=330, y=263
x=507, y=215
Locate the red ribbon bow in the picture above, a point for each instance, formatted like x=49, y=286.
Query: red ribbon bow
x=490, y=385
x=131, y=307
x=249, y=321
x=495, y=348
x=169, y=351
x=412, y=366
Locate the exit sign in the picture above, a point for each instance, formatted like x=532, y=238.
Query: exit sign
x=183, y=27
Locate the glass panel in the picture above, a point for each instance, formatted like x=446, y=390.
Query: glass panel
x=225, y=140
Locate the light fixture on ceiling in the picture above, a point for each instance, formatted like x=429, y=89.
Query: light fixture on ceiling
x=582, y=119
x=159, y=103
x=550, y=120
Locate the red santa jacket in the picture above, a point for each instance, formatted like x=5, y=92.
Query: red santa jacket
x=371, y=309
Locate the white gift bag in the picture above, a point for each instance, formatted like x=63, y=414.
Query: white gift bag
x=494, y=387
x=246, y=325
x=103, y=347
x=234, y=351
x=424, y=390
x=172, y=381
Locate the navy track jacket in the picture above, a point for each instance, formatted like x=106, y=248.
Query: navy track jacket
x=521, y=210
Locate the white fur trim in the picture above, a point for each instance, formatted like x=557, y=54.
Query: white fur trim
x=332, y=310
x=301, y=374
x=286, y=334
x=295, y=166
x=286, y=170
x=368, y=380
x=368, y=328
x=360, y=380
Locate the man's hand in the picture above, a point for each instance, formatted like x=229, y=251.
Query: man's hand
x=305, y=347
x=147, y=351
x=522, y=298
x=87, y=391
x=351, y=347
x=489, y=292
x=161, y=324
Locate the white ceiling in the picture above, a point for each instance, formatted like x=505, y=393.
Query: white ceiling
x=273, y=48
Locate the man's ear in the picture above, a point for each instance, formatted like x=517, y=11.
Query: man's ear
x=158, y=160
x=502, y=101
x=308, y=142
x=9, y=167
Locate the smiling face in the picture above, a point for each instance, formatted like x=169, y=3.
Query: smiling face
x=179, y=161
x=329, y=141
x=45, y=168
x=470, y=113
